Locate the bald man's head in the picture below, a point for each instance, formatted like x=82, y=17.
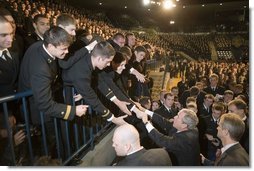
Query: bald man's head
x=125, y=139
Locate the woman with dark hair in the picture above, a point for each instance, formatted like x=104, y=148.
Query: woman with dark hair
x=112, y=77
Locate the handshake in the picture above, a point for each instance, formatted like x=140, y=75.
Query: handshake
x=140, y=113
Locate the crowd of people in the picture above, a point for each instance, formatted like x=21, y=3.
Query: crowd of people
x=47, y=47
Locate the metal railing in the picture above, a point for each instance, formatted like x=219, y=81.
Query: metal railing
x=72, y=138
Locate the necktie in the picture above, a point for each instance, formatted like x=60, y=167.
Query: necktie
x=4, y=55
x=207, y=109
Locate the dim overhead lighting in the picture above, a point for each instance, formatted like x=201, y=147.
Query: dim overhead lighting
x=203, y=5
x=149, y=9
x=220, y=4
x=125, y=7
x=100, y=3
x=172, y=22
x=184, y=7
x=146, y=2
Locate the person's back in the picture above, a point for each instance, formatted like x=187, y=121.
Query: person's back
x=151, y=157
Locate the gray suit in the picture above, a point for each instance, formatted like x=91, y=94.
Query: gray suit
x=234, y=156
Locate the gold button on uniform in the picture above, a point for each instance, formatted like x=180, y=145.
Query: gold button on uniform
x=62, y=113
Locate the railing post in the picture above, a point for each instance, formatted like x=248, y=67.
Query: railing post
x=10, y=133
x=24, y=106
x=44, y=134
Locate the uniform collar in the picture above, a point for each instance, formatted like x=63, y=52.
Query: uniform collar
x=51, y=56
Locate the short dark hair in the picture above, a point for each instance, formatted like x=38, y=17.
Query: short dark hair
x=38, y=16
x=118, y=58
x=168, y=94
x=65, y=20
x=140, y=49
x=4, y=12
x=144, y=100
x=219, y=106
x=57, y=36
x=103, y=49
x=117, y=36
x=194, y=91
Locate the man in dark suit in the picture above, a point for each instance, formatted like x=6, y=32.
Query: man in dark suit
x=210, y=130
x=239, y=107
x=230, y=129
x=204, y=112
x=214, y=88
x=183, y=145
x=167, y=110
x=9, y=59
x=126, y=143
x=18, y=41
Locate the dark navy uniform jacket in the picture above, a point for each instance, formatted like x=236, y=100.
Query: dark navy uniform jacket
x=80, y=76
x=39, y=73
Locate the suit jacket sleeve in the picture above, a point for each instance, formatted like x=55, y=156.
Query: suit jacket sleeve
x=72, y=59
x=163, y=123
x=172, y=144
x=41, y=87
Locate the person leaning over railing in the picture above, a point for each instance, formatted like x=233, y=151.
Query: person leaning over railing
x=39, y=72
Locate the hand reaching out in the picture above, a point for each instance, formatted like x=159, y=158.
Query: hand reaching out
x=119, y=120
x=81, y=110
